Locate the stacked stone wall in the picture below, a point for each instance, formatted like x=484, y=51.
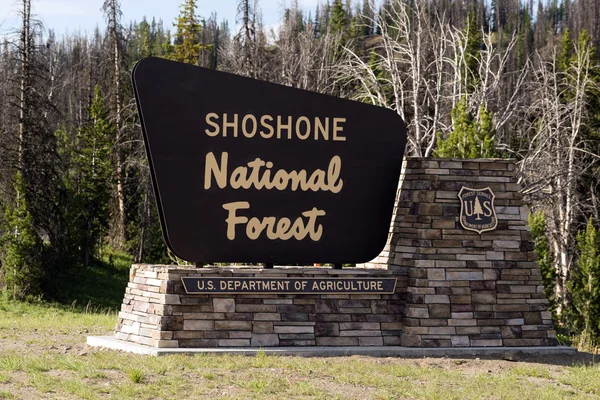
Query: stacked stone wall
x=157, y=311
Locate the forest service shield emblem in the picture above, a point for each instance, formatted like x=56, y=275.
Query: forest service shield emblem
x=477, y=212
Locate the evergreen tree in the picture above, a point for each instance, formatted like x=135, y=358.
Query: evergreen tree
x=317, y=23
x=160, y=38
x=338, y=20
x=380, y=75
x=187, y=39
x=585, y=283
x=144, y=39
x=525, y=41
x=470, y=138
x=167, y=47
x=537, y=223
x=474, y=42
x=366, y=17
x=493, y=17
x=325, y=18
x=30, y=165
x=565, y=54
x=93, y=162
x=20, y=250
x=147, y=40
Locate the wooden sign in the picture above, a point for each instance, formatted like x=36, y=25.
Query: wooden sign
x=220, y=285
x=249, y=171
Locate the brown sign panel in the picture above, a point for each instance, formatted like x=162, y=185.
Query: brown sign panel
x=249, y=171
x=477, y=211
x=220, y=285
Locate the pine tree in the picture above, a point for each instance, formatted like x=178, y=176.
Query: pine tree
x=338, y=20
x=143, y=34
x=493, y=17
x=537, y=223
x=187, y=38
x=474, y=42
x=93, y=162
x=470, y=138
x=20, y=250
x=565, y=54
x=375, y=66
x=30, y=164
x=525, y=41
x=366, y=17
x=584, y=284
x=160, y=38
x=317, y=23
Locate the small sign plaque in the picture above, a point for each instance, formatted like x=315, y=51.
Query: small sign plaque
x=218, y=285
x=477, y=211
x=250, y=171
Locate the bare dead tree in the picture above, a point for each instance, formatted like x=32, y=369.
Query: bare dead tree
x=559, y=154
x=419, y=68
x=112, y=11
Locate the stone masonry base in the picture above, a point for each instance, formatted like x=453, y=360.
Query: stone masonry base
x=455, y=288
x=156, y=311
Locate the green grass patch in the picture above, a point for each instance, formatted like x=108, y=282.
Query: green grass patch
x=532, y=372
x=136, y=376
x=17, y=318
x=585, y=378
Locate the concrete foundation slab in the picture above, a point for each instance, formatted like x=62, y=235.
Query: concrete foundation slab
x=109, y=342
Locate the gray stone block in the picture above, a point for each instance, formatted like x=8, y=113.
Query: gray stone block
x=294, y=329
x=262, y=327
x=224, y=305
x=264, y=340
x=267, y=317
x=327, y=329
x=233, y=325
x=370, y=341
x=234, y=342
x=198, y=325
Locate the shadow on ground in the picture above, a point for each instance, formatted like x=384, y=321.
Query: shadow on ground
x=99, y=287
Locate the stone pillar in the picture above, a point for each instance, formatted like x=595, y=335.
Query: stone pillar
x=464, y=288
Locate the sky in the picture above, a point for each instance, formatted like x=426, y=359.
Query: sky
x=65, y=16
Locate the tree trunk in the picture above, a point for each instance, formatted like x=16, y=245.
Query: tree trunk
x=23, y=106
x=118, y=107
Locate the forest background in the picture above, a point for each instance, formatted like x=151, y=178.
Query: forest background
x=506, y=78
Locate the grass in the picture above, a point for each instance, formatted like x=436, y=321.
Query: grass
x=99, y=287
x=136, y=376
x=37, y=371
